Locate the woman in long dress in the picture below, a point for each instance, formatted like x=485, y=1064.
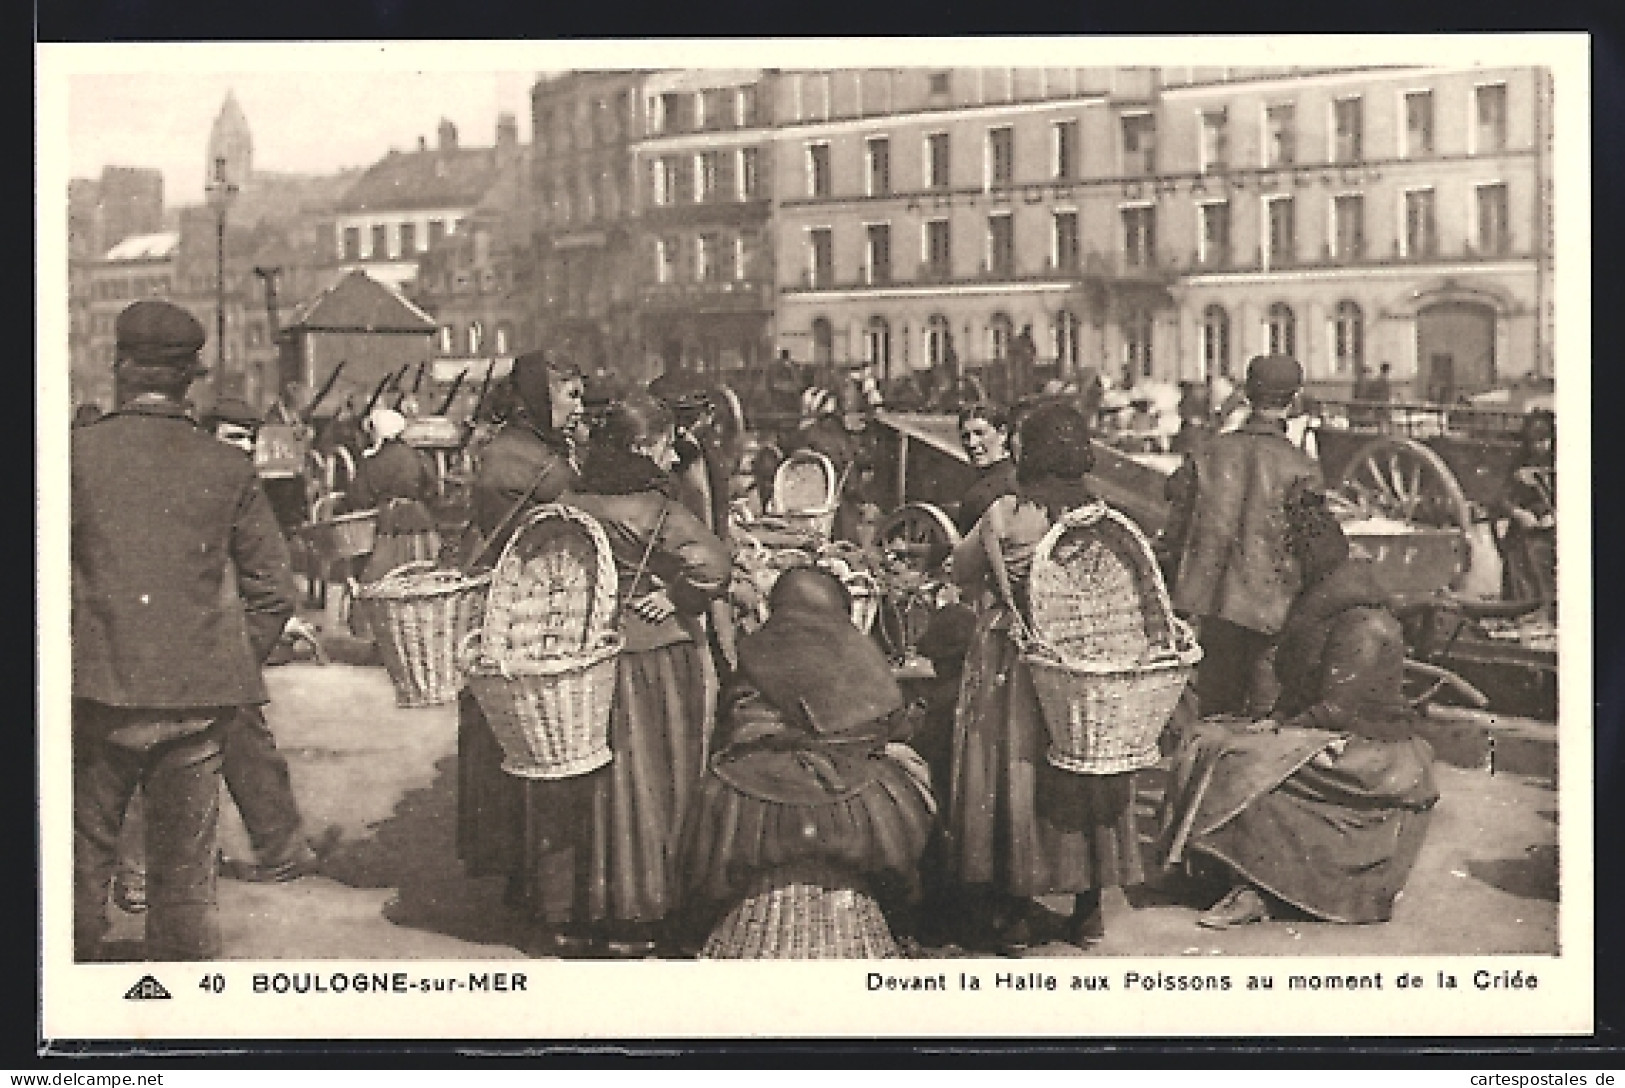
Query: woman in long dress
x=396, y=480
x=1019, y=828
x=529, y=461
x=625, y=881
x=1323, y=806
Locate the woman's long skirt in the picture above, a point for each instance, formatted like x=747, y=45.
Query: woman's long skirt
x=1014, y=821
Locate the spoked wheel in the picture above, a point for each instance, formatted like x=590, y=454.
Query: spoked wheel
x=920, y=534
x=1401, y=479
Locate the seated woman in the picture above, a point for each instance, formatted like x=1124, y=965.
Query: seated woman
x=804, y=770
x=1324, y=805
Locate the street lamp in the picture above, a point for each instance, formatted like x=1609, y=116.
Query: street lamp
x=220, y=193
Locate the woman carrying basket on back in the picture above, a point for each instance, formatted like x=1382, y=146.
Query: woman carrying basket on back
x=528, y=462
x=625, y=880
x=1019, y=828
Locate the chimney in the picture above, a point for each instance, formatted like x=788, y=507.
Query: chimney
x=423, y=143
x=448, y=136
x=507, y=138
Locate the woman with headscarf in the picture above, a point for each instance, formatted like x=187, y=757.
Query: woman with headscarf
x=807, y=767
x=625, y=880
x=502, y=828
x=1323, y=805
x=1019, y=828
x=1529, y=544
x=398, y=482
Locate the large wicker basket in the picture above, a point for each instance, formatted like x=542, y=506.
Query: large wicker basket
x=1108, y=658
x=803, y=912
x=806, y=491
x=543, y=665
x=420, y=616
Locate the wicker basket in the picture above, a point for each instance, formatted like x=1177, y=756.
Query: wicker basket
x=348, y=536
x=1108, y=658
x=806, y=491
x=421, y=616
x=806, y=912
x=543, y=665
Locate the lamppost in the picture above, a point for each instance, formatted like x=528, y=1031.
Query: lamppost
x=220, y=193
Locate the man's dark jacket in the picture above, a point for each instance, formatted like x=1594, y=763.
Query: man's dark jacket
x=1227, y=530
x=181, y=584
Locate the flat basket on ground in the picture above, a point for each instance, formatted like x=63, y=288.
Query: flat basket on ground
x=803, y=912
x=543, y=665
x=1108, y=658
x=421, y=616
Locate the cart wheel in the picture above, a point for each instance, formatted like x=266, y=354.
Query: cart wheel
x=1402, y=479
x=920, y=534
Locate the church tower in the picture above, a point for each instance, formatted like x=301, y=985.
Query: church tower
x=231, y=148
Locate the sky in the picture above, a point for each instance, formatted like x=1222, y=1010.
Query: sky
x=304, y=122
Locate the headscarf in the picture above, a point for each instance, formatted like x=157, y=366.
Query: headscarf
x=382, y=425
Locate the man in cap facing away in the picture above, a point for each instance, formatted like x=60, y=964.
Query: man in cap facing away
x=1225, y=541
x=162, y=516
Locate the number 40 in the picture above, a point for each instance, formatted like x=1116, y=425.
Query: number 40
x=213, y=984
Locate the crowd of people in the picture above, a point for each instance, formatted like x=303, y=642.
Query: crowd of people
x=1299, y=785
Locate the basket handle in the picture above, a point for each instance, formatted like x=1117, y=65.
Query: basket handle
x=415, y=566
x=643, y=562
x=513, y=512
x=465, y=651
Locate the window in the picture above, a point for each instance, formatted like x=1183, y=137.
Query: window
x=708, y=259
x=1490, y=129
x=1418, y=124
x=745, y=107
x=501, y=344
x=823, y=334
x=1065, y=236
x=666, y=260
x=448, y=340
x=744, y=255
x=1494, y=232
x=1421, y=228
x=877, y=151
x=352, y=243
x=1068, y=332
x=1348, y=338
x=937, y=340
x=713, y=105
x=750, y=173
x=705, y=176
x=878, y=264
x=938, y=257
x=1347, y=130
x=437, y=232
x=1001, y=245
x=936, y=160
x=1001, y=151
x=1215, y=237
x=1348, y=226
x=939, y=82
x=409, y=239
x=877, y=345
x=664, y=181
x=1214, y=152
x=818, y=170
x=1282, y=242
x=821, y=256
x=1215, y=341
x=1137, y=342
x=1139, y=143
x=670, y=113
x=220, y=170
x=1139, y=236
x=1281, y=330
x=380, y=242
x=1064, y=166
x=1000, y=331
x=1280, y=134
x=476, y=336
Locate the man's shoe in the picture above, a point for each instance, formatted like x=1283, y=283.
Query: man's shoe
x=1241, y=907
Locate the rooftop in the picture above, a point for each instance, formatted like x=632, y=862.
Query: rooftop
x=427, y=178
x=359, y=303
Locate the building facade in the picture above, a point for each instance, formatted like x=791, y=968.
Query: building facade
x=1167, y=223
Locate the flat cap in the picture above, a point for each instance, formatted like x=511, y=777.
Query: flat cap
x=1274, y=377
x=152, y=331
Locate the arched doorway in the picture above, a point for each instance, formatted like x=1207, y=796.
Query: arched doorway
x=1455, y=349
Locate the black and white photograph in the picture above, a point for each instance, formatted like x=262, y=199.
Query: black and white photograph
x=1033, y=536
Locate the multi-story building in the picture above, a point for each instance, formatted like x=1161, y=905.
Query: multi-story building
x=1167, y=223
x=405, y=204
x=585, y=303
x=140, y=266
x=705, y=273
x=102, y=212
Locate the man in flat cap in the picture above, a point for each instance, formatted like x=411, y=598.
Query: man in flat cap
x=1225, y=541
x=165, y=522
